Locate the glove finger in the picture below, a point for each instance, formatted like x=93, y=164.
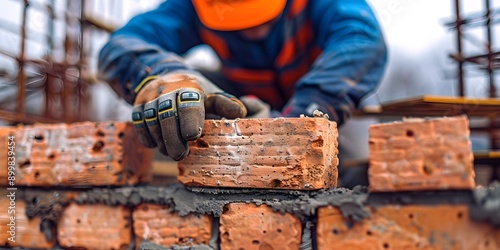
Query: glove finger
x=176, y=147
x=191, y=113
x=151, y=118
x=225, y=105
x=141, y=128
x=256, y=108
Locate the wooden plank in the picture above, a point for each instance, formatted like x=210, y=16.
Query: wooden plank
x=429, y=105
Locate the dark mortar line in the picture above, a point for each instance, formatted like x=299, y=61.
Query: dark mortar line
x=441, y=197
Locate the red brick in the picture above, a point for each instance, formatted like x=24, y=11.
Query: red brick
x=95, y=226
x=157, y=224
x=107, y=153
x=406, y=227
x=247, y=226
x=281, y=153
x=421, y=155
x=27, y=231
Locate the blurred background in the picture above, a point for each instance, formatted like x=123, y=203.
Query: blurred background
x=49, y=48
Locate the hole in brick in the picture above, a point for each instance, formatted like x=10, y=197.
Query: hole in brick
x=37, y=175
x=24, y=164
x=317, y=143
x=460, y=215
x=255, y=242
x=428, y=169
x=120, y=161
x=78, y=221
x=98, y=146
x=386, y=245
x=51, y=156
x=409, y=133
x=264, y=231
x=371, y=142
x=99, y=133
x=121, y=135
x=225, y=209
x=39, y=137
x=410, y=216
x=335, y=231
x=369, y=233
x=278, y=230
x=201, y=143
x=275, y=183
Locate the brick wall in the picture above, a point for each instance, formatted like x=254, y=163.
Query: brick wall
x=252, y=214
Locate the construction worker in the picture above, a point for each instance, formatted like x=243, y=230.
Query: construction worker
x=294, y=56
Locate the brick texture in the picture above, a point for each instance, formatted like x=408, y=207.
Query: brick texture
x=95, y=226
x=281, y=153
x=96, y=154
x=163, y=227
x=408, y=227
x=27, y=231
x=247, y=226
x=421, y=155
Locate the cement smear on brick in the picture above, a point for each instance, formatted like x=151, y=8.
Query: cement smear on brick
x=147, y=245
x=486, y=206
x=49, y=206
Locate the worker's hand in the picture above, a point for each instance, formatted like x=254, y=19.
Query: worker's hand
x=170, y=110
x=256, y=108
x=306, y=100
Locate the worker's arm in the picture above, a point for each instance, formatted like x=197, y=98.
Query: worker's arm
x=149, y=44
x=141, y=63
x=352, y=63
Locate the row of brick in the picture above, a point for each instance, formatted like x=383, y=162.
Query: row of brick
x=292, y=153
x=295, y=153
x=248, y=226
x=79, y=154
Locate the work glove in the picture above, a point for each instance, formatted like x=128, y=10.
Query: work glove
x=256, y=108
x=170, y=110
x=308, y=99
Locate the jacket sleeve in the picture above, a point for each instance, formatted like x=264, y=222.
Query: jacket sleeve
x=351, y=65
x=149, y=44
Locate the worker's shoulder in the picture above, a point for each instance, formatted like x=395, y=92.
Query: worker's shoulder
x=177, y=5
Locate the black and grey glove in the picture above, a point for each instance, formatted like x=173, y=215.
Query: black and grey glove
x=170, y=110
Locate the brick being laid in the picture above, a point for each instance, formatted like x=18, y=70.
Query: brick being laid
x=158, y=224
x=95, y=226
x=248, y=226
x=79, y=154
x=280, y=153
x=420, y=154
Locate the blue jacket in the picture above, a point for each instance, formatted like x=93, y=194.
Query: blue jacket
x=324, y=54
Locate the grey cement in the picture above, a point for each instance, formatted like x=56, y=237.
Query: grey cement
x=486, y=206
